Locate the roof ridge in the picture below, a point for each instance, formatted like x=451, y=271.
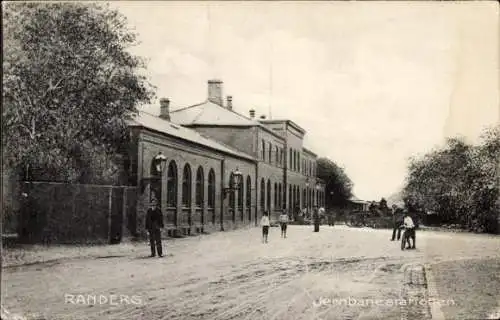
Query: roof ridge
x=192, y=106
x=198, y=115
x=199, y=138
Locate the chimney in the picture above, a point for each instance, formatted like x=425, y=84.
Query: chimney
x=215, y=91
x=165, y=109
x=252, y=113
x=230, y=102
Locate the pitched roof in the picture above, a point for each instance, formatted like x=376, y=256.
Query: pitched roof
x=149, y=121
x=209, y=113
x=355, y=199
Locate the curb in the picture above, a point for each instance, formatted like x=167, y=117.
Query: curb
x=414, y=291
x=434, y=309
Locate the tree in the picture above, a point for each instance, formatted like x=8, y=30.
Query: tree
x=338, y=188
x=69, y=85
x=459, y=182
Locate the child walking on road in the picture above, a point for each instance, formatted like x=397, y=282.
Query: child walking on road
x=283, y=223
x=264, y=222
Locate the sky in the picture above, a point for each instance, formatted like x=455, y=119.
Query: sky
x=372, y=83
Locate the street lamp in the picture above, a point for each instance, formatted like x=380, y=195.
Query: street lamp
x=234, y=184
x=159, y=162
x=157, y=167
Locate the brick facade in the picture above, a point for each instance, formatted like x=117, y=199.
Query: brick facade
x=215, y=138
x=187, y=217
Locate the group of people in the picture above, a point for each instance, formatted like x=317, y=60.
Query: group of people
x=402, y=221
x=266, y=223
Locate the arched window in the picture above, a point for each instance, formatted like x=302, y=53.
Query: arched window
x=270, y=150
x=294, y=197
x=275, y=195
x=290, y=200
x=240, y=197
x=277, y=156
x=186, y=187
x=269, y=196
x=294, y=160
x=211, y=194
x=262, y=195
x=172, y=185
x=249, y=197
x=199, y=187
x=290, y=159
x=232, y=196
x=280, y=203
x=263, y=150
x=304, y=198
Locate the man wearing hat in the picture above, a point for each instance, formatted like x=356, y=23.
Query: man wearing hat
x=154, y=223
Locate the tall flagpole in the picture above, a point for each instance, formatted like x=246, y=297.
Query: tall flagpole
x=270, y=80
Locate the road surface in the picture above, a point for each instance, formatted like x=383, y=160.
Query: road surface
x=233, y=275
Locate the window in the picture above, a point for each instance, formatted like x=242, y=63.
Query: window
x=275, y=195
x=262, y=195
x=294, y=160
x=199, y=187
x=249, y=197
x=240, y=198
x=186, y=187
x=269, y=195
x=172, y=185
x=280, y=203
x=277, y=156
x=263, y=150
x=294, y=196
x=270, y=152
x=304, y=198
x=290, y=161
x=232, y=196
x=211, y=193
x=290, y=203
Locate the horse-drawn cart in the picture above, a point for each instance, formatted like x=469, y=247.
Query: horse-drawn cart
x=367, y=219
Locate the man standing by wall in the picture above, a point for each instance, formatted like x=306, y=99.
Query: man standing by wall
x=154, y=223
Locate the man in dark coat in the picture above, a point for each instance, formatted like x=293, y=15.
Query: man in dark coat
x=316, y=220
x=397, y=222
x=154, y=223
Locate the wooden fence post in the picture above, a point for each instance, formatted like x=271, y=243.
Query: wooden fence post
x=124, y=214
x=110, y=207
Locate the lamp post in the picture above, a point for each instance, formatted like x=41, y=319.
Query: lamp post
x=158, y=165
x=235, y=184
x=159, y=162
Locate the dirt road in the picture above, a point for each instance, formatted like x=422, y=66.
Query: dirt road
x=233, y=275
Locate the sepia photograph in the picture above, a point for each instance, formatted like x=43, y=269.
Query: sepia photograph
x=250, y=160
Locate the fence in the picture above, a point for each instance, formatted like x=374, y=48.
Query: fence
x=76, y=213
